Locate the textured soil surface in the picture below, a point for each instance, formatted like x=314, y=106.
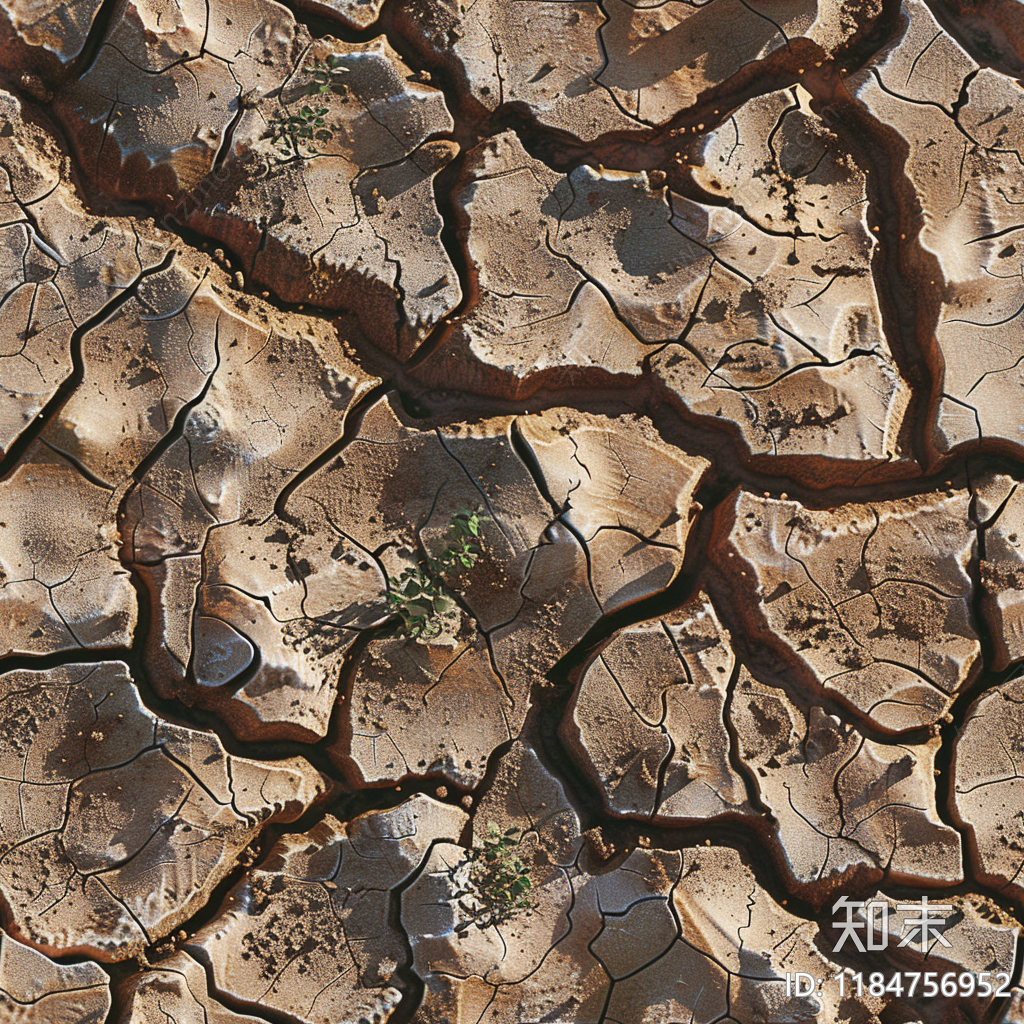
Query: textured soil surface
x=510, y=509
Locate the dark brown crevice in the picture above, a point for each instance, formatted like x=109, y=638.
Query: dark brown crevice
x=646, y=147
x=352, y=422
x=446, y=184
x=94, y=40
x=321, y=23
x=975, y=27
x=411, y=985
x=771, y=662
x=910, y=312
x=716, y=440
x=25, y=439
x=628, y=833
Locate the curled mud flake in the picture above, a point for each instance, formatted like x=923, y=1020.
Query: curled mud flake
x=175, y=990
x=535, y=317
x=120, y=826
x=848, y=810
x=588, y=69
x=314, y=160
x=987, y=794
x=871, y=603
x=36, y=990
x=295, y=594
x=150, y=114
x=43, y=39
x=958, y=124
x=354, y=14
x=647, y=720
x=309, y=933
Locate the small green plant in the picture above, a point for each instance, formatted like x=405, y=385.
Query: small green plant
x=421, y=603
x=326, y=76
x=297, y=134
x=420, y=595
x=492, y=883
x=463, y=543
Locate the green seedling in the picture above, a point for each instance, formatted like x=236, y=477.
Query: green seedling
x=420, y=596
x=463, y=543
x=327, y=76
x=297, y=134
x=493, y=884
x=421, y=603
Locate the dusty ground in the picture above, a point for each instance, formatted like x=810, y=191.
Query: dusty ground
x=586, y=430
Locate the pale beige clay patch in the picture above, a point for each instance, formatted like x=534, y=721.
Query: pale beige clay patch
x=647, y=723
x=847, y=810
x=36, y=990
x=675, y=935
x=308, y=933
x=870, y=603
x=119, y=826
x=347, y=220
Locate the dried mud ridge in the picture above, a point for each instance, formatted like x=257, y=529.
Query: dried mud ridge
x=711, y=313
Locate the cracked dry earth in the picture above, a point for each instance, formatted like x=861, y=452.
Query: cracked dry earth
x=700, y=308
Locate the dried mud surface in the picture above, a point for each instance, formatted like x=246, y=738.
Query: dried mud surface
x=708, y=317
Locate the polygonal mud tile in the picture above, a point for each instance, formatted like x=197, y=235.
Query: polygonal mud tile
x=771, y=328
x=119, y=826
x=62, y=586
x=44, y=37
x=987, y=791
x=60, y=268
x=870, y=603
x=663, y=935
x=275, y=402
x=35, y=990
x=308, y=933
x=958, y=124
x=343, y=216
x=587, y=69
x=646, y=720
x=175, y=990
x=535, y=315
x=848, y=810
